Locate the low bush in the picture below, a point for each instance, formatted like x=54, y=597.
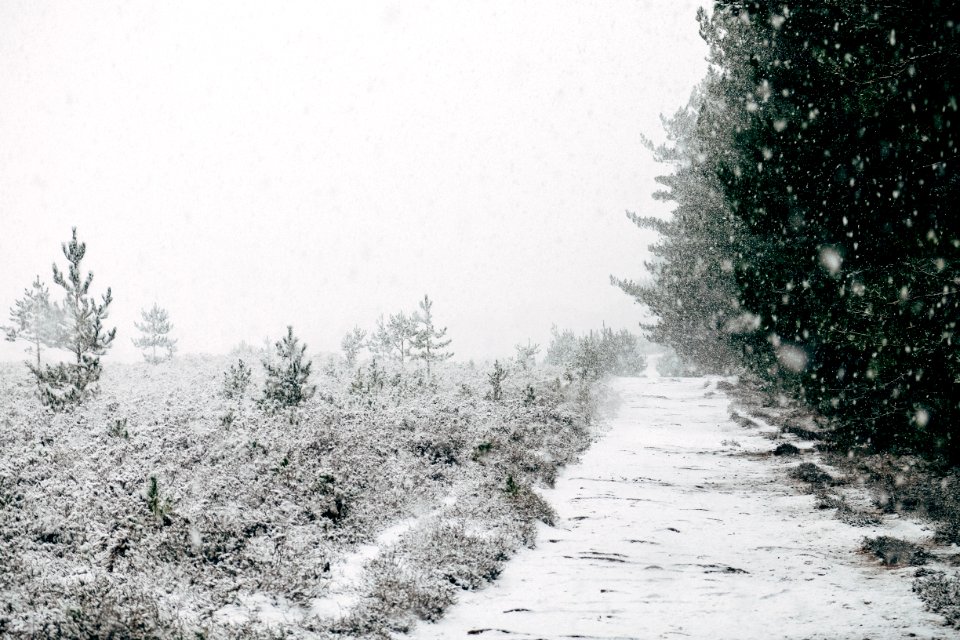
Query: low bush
x=894, y=552
x=906, y=484
x=670, y=365
x=786, y=449
x=264, y=502
x=812, y=474
x=940, y=593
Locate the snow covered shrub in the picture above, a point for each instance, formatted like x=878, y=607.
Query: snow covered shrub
x=529, y=395
x=366, y=385
x=527, y=355
x=287, y=381
x=854, y=517
x=940, y=593
x=397, y=586
x=265, y=512
x=908, y=484
x=895, y=552
x=786, y=449
x=459, y=558
x=118, y=428
x=103, y=609
x=671, y=365
x=353, y=342
x=496, y=378
x=236, y=380
x=812, y=474
x=529, y=503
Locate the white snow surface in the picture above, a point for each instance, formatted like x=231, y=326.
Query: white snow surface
x=671, y=527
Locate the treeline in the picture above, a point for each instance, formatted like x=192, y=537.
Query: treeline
x=595, y=354
x=814, y=235
x=401, y=338
x=76, y=324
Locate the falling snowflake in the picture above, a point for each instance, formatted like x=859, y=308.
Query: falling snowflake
x=831, y=260
x=792, y=358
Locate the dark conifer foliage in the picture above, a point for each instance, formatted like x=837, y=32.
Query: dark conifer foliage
x=287, y=381
x=693, y=291
x=826, y=139
x=83, y=333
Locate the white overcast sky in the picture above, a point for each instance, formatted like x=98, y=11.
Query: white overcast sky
x=253, y=165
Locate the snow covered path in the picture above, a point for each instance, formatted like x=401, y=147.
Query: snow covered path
x=670, y=528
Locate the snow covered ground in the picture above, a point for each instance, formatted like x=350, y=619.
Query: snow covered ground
x=678, y=523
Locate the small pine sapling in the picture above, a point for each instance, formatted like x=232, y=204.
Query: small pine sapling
x=496, y=378
x=529, y=395
x=287, y=382
x=36, y=321
x=429, y=341
x=380, y=343
x=236, y=380
x=376, y=377
x=402, y=331
x=157, y=505
x=84, y=334
x=155, y=328
x=563, y=347
x=353, y=342
x=527, y=355
x=358, y=384
x=118, y=428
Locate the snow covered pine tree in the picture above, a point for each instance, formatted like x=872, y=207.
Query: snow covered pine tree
x=36, y=321
x=83, y=334
x=155, y=328
x=428, y=341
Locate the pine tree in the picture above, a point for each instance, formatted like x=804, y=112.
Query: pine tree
x=236, y=380
x=380, y=343
x=288, y=376
x=563, y=346
x=692, y=290
x=36, y=321
x=402, y=331
x=845, y=166
x=527, y=355
x=496, y=378
x=155, y=328
x=620, y=353
x=351, y=344
x=84, y=334
x=823, y=249
x=428, y=341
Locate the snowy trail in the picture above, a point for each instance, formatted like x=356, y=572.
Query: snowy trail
x=668, y=528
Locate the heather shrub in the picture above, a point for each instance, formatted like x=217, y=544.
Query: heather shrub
x=894, y=551
x=940, y=593
x=270, y=507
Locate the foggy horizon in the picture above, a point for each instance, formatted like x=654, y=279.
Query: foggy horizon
x=321, y=166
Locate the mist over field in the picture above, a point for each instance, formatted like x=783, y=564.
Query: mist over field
x=247, y=166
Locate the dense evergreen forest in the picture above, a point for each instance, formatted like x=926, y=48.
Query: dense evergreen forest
x=814, y=238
